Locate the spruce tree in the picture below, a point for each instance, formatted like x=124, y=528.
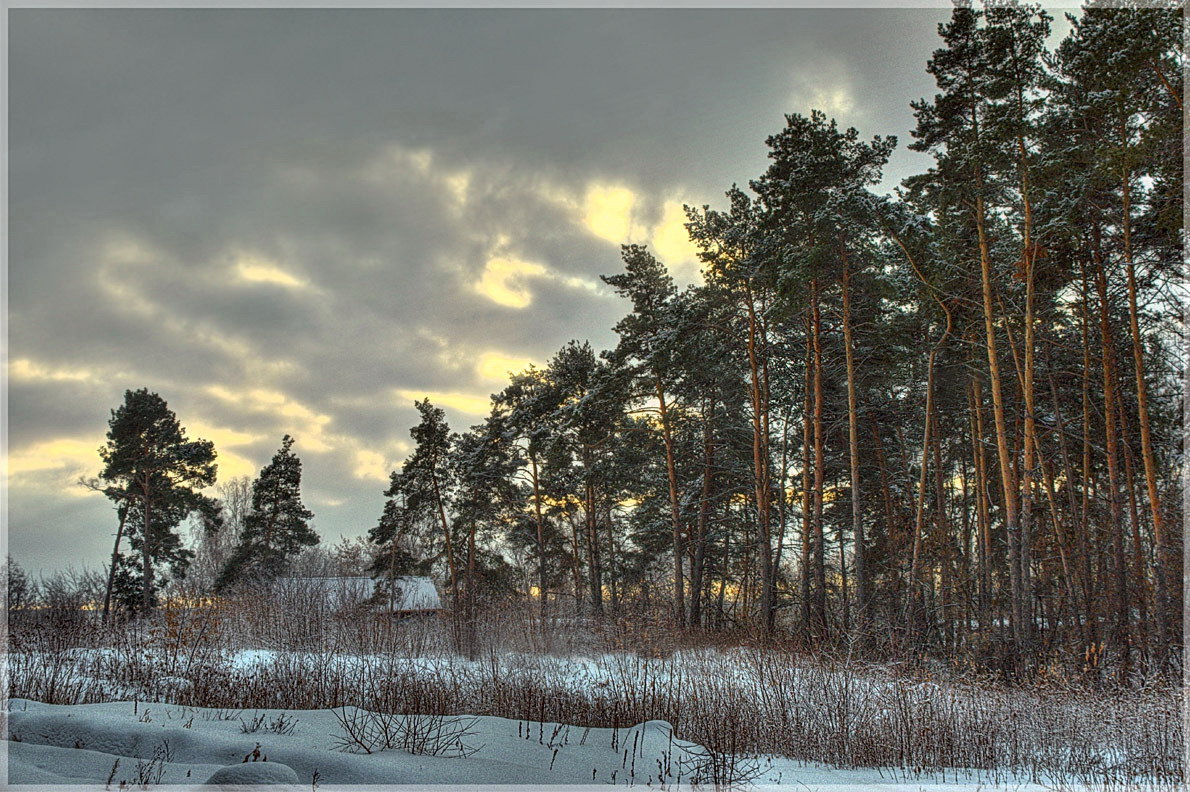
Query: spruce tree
x=277, y=527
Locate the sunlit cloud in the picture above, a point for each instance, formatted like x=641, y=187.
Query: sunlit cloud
x=119, y=253
x=495, y=366
x=254, y=269
x=463, y=402
x=27, y=370
x=671, y=243
x=833, y=101
x=458, y=185
x=304, y=423
x=369, y=465
x=832, y=96
x=59, y=454
x=608, y=213
x=124, y=262
x=396, y=163
x=231, y=464
x=503, y=281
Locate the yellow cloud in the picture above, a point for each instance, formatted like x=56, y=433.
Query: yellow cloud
x=26, y=370
x=306, y=424
x=69, y=454
x=254, y=269
x=503, y=281
x=57, y=464
x=422, y=159
x=463, y=402
x=496, y=366
x=671, y=242
x=607, y=213
x=370, y=465
x=231, y=464
x=611, y=212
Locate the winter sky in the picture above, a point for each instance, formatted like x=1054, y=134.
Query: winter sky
x=302, y=220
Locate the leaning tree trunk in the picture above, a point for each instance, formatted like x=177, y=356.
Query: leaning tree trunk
x=1165, y=558
x=111, y=572
x=1007, y=475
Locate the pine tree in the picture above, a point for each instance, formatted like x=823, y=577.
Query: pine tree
x=528, y=405
x=419, y=500
x=277, y=527
x=153, y=471
x=818, y=206
x=649, y=338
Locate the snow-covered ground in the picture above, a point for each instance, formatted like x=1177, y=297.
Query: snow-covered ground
x=778, y=703
x=128, y=745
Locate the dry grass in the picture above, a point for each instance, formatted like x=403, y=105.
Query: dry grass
x=738, y=701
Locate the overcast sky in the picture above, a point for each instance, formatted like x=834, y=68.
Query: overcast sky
x=301, y=221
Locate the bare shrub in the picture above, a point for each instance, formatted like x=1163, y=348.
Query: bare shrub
x=423, y=735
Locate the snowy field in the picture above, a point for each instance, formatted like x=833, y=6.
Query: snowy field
x=747, y=716
x=144, y=744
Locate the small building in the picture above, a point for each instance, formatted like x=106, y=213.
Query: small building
x=405, y=595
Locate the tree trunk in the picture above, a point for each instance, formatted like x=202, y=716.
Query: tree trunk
x=983, y=515
x=450, y=556
x=818, y=596
x=146, y=551
x=1165, y=560
x=807, y=483
x=700, y=539
x=1089, y=547
x=1007, y=476
x=679, y=602
x=760, y=463
x=541, y=595
x=1122, y=628
x=857, y=523
x=111, y=572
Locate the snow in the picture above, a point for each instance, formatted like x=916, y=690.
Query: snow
x=85, y=746
x=254, y=773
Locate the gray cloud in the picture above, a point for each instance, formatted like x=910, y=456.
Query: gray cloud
x=286, y=221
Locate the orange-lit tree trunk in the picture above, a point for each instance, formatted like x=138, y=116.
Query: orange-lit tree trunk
x=1165, y=550
x=679, y=601
x=818, y=595
x=857, y=522
x=1122, y=627
x=1008, y=479
x=760, y=465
